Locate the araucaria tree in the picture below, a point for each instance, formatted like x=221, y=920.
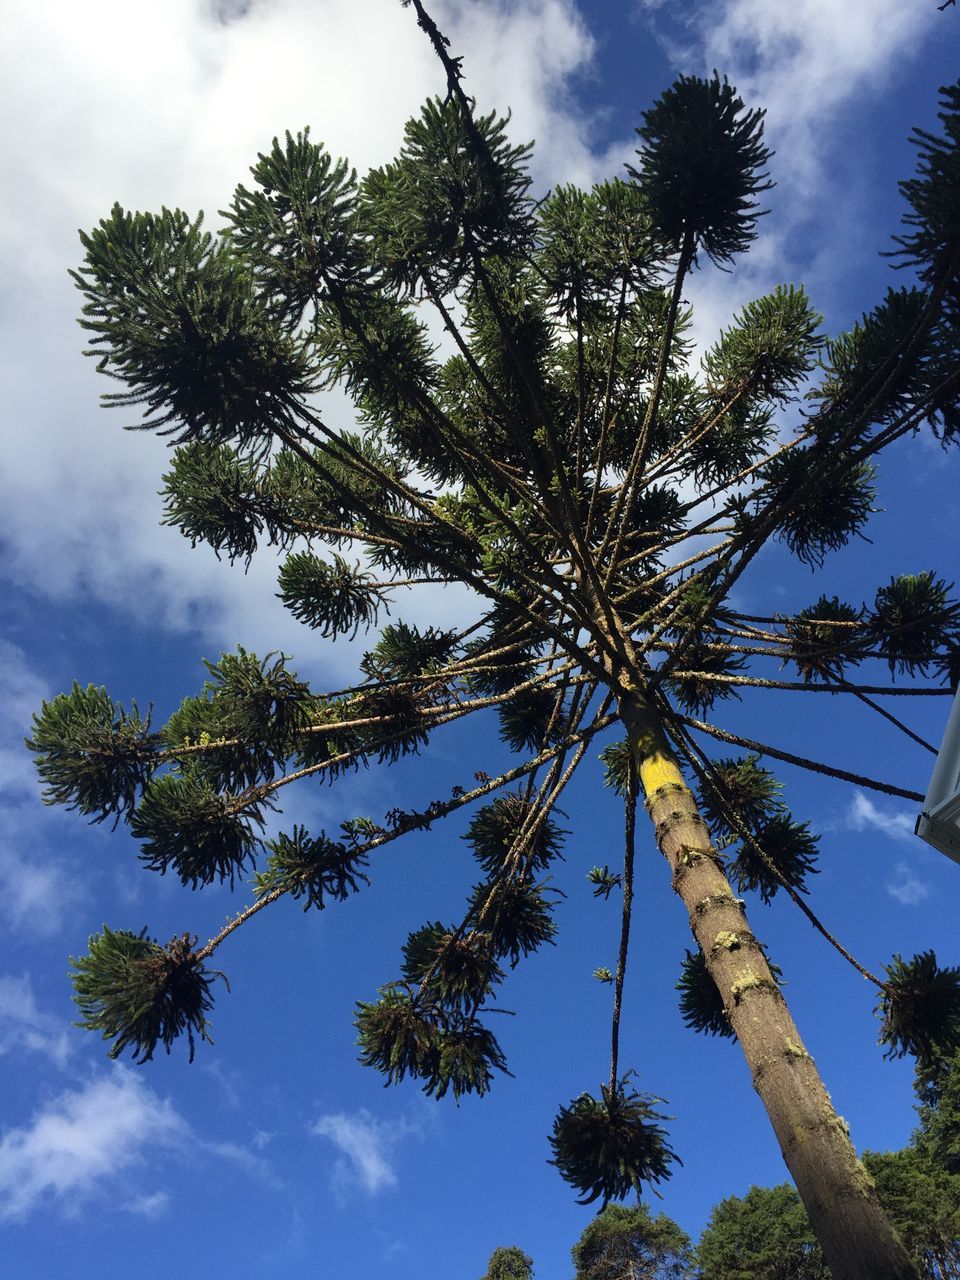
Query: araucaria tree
x=602, y=497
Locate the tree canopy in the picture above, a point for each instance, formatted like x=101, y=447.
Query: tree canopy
x=509, y=1263
x=629, y=1243
x=763, y=1235
x=556, y=450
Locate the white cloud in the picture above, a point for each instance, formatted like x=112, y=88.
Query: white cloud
x=906, y=887
x=805, y=60
x=151, y=1206
x=519, y=58
x=366, y=1145
x=228, y=1081
x=38, y=891
x=245, y=1159
x=25, y=1027
x=864, y=815
x=100, y=1139
x=77, y=1145
x=21, y=692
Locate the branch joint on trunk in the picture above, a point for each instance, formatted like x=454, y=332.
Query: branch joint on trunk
x=717, y=902
x=664, y=790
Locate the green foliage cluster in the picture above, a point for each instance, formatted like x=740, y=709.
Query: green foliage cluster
x=913, y=626
x=701, y=1004
x=200, y=354
x=912, y=618
x=406, y=1032
x=314, y=867
x=92, y=755
x=939, y=1093
x=920, y=1010
x=427, y=1025
x=763, y=1235
x=701, y=164
x=510, y=1263
x=628, y=1241
x=609, y=1146
x=741, y=803
x=139, y=994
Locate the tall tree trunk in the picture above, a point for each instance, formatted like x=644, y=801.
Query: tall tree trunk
x=857, y=1239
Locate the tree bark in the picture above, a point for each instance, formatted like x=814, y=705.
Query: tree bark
x=857, y=1239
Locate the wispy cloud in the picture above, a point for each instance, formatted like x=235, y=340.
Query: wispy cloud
x=251, y=1163
x=864, y=814
x=907, y=887
x=37, y=892
x=367, y=1145
x=154, y=1205
x=77, y=1145
x=21, y=692
x=228, y=1080
x=23, y=1026
x=103, y=1138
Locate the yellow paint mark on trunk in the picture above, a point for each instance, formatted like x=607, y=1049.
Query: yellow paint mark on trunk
x=658, y=771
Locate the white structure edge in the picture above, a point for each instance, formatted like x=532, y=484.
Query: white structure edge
x=939, y=821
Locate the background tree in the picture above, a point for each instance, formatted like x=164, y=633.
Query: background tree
x=602, y=500
x=920, y=1185
x=764, y=1235
x=509, y=1263
x=629, y=1243
x=938, y=1136
x=923, y=1201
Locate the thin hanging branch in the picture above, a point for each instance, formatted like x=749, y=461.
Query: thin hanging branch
x=629, y=844
x=862, y=695
x=814, y=766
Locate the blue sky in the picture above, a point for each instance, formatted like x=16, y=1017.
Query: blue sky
x=275, y=1153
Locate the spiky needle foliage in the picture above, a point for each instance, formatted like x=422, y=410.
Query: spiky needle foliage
x=701, y=1004
x=920, y=1008
x=609, y=1146
x=139, y=994
x=548, y=464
